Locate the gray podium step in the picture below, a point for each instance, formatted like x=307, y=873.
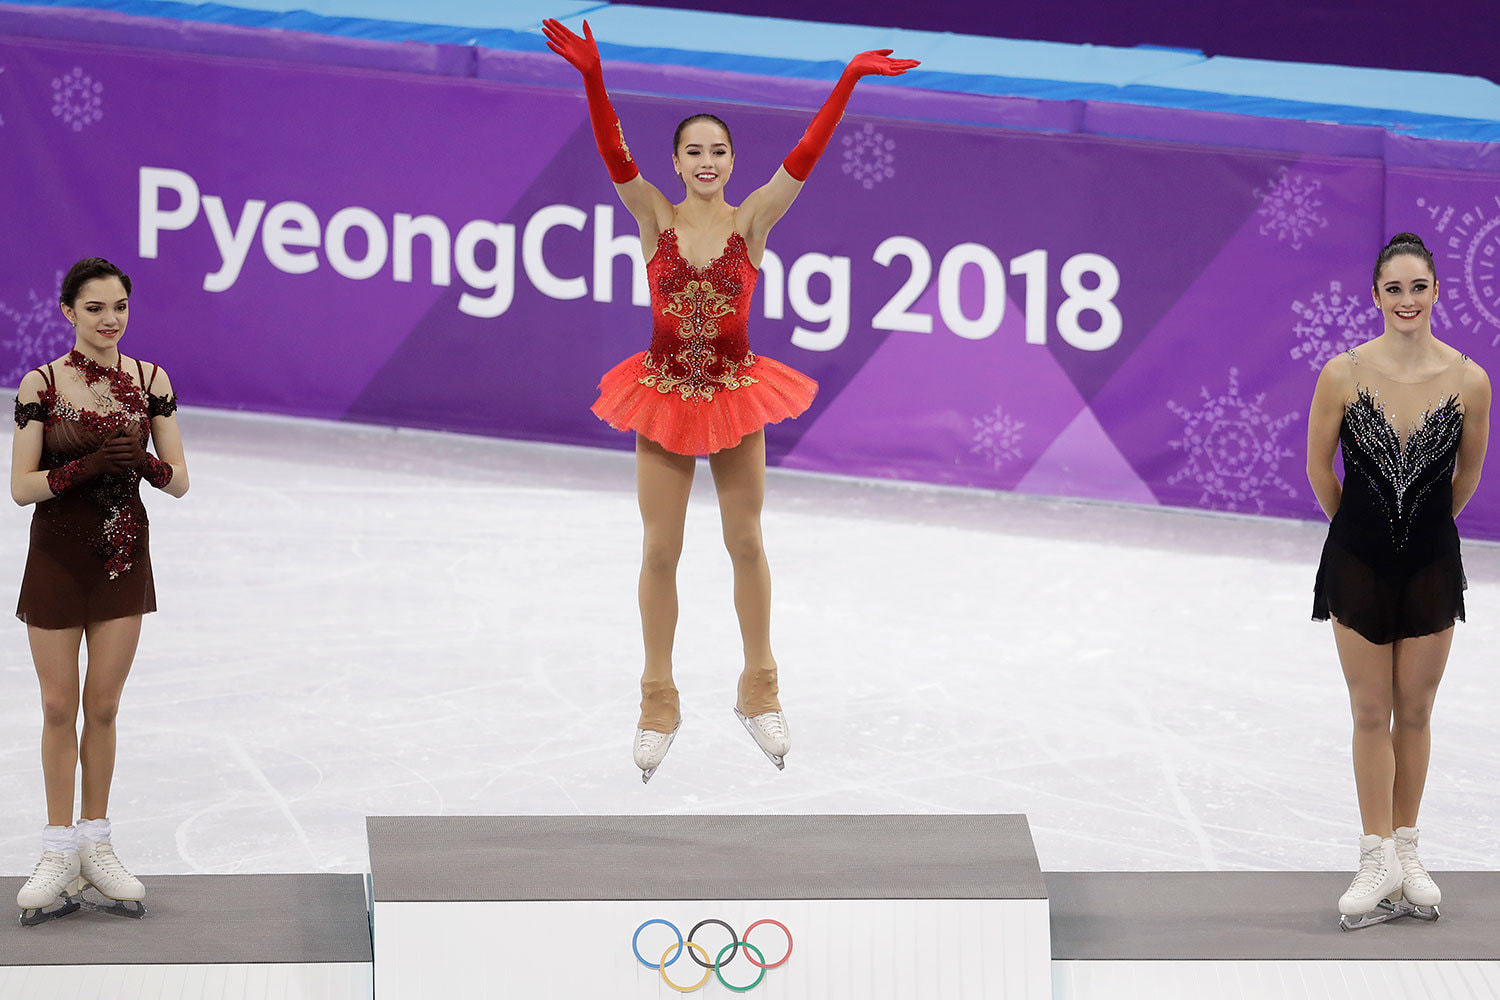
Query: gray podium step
x=1163, y=935
x=586, y=906
x=203, y=935
x=703, y=857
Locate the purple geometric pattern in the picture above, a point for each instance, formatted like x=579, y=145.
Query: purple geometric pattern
x=1233, y=449
x=78, y=99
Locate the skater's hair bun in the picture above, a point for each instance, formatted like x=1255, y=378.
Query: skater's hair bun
x=1407, y=243
x=87, y=270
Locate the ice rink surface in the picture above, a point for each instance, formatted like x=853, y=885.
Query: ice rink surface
x=361, y=621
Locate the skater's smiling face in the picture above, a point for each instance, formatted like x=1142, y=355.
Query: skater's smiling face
x=704, y=154
x=1406, y=291
x=99, y=313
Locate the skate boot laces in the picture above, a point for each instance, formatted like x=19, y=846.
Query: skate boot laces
x=1371, y=870
x=53, y=865
x=1411, y=865
x=107, y=863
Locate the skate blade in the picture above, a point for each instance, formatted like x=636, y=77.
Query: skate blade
x=132, y=908
x=1384, y=911
x=40, y=915
x=1420, y=912
x=774, y=758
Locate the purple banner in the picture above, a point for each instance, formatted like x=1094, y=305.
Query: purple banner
x=1059, y=314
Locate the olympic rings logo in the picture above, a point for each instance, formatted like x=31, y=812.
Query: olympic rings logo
x=715, y=966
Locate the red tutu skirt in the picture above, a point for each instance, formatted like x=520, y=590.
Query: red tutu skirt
x=633, y=397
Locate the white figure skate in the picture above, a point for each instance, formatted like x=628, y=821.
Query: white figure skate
x=1420, y=891
x=651, y=749
x=1375, y=894
x=100, y=870
x=770, y=732
x=45, y=895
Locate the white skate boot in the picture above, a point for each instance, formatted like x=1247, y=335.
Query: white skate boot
x=651, y=749
x=1375, y=894
x=658, y=702
x=770, y=732
x=758, y=690
x=102, y=871
x=1416, y=885
x=47, y=885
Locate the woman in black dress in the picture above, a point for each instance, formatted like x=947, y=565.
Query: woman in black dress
x=1412, y=417
x=82, y=424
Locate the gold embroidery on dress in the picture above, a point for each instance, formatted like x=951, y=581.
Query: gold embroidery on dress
x=700, y=306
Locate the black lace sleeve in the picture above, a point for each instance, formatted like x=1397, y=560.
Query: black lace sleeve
x=160, y=406
x=27, y=412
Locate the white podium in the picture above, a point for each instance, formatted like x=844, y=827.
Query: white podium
x=898, y=907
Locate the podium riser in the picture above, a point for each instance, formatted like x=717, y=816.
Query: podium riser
x=843, y=949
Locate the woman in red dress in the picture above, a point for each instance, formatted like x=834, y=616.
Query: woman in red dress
x=699, y=389
x=79, y=455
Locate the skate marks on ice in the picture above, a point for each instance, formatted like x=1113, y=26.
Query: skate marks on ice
x=358, y=621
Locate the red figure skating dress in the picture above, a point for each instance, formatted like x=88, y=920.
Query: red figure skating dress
x=700, y=388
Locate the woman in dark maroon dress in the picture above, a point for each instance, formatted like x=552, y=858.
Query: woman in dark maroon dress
x=82, y=425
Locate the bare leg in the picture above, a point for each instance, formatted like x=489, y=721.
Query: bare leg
x=112, y=646
x=1419, y=668
x=663, y=482
x=1369, y=671
x=740, y=478
x=55, y=653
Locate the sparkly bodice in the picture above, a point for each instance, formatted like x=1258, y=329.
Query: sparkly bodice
x=700, y=343
x=1400, y=441
x=81, y=407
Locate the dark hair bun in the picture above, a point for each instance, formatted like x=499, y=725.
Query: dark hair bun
x=1401, y=238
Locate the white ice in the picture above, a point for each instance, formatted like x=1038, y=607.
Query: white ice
x=362, y=621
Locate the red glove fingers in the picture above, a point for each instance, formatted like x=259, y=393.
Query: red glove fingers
x=799, y=162
x=583, y=54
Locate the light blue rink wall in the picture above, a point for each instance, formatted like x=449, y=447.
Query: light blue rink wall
x=1424, y=105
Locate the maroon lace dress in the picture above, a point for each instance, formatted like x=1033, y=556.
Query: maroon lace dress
x=90, y=556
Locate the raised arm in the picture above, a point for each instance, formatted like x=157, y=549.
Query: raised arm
x=641, y=198
x=1471, y=447
x=765, y=206
x=1323, y=423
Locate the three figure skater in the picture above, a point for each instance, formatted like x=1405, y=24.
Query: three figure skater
x=79, y=455
x=1411, y=415
x=699, y=389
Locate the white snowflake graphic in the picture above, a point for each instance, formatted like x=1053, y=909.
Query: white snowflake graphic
x=869, y=157
x=31, y=334
x=1233, y=448
x=78, y=99
x=1331, y=322
x=997, y=436
x=1289, y=204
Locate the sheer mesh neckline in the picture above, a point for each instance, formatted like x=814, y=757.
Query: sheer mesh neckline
x=1458, y=360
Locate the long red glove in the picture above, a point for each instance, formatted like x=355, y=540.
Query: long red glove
x=799, y=162
x=584, y=56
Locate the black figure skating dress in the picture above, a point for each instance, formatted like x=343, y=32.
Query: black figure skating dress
x=1391, y=567
x=90, y=557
